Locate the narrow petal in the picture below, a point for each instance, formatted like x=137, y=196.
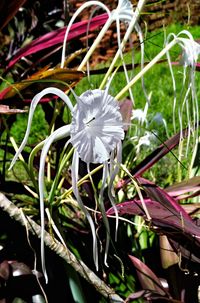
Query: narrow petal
x=102, y=208
x=34, y=103
x=56, y=135
x=75, y=169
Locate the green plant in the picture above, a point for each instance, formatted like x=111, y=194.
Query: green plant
x=90, y=177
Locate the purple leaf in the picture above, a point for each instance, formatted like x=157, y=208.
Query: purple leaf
x=186, y=186
x=56, y=37
x=158, y=153
x=148, y=279
x=158, y=194
x=160, y=215
x=167, y=216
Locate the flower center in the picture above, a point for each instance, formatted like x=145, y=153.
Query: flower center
x=88, y=123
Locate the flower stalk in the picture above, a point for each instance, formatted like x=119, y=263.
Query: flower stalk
x=132, y=24
x=145, y=69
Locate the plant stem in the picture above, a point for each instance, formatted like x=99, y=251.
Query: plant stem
x=60, y=168
x=132, y=24
x=70, y=190
x=94, y=45
x=145, y=69
x=58, y=248
x=79, y=10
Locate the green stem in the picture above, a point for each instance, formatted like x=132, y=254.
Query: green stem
x=30, y=163
x=96, y=42
x=132, y=24
x=70, y=190
x=56, y=180
x=145, y=69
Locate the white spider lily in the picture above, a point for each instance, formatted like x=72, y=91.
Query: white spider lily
x=146, y=140
x=190, y=53
x=124, y=11
x=96, y=132
x=140, y=115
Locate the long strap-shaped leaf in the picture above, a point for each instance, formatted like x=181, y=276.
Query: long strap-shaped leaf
x=158, y=153
x=56, y=37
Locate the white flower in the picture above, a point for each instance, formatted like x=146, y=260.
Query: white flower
x=140, y=114
x=96, y=132
x=146, y=140
x=191, y=51
x=124, y=11
x=96, y=126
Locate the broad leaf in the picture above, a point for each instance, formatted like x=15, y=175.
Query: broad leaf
x=58, y=75
x=167, y=216
x=186, y=186
x=56, y=38
x=148, y=280
x=158, y=194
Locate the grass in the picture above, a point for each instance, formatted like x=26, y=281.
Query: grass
x=39, y=127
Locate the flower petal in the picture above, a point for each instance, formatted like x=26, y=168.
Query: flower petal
x=96, y=126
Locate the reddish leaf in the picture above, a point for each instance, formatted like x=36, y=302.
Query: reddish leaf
x=56, y=37
x=167, y=216
x=158, y=194
x=148, y=279
x=192, y=208
x=186, y=186
x=158, y=153
x=160, y=215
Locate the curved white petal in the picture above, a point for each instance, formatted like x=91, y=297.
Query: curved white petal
x=34, y=103
x=79, y=10
x=75, y=169
x=60, y=133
